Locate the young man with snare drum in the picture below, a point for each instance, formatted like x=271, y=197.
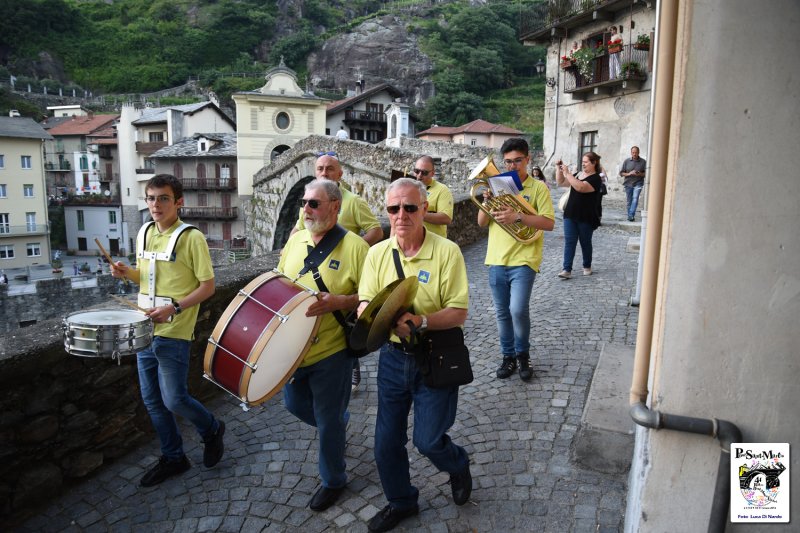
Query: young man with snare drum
x=175, y=275
x=441, y=303
x=513, y=265
x=319, y=391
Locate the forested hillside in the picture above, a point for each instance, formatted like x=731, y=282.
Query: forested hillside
x=125, y=46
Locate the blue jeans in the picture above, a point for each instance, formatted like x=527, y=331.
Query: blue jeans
x=400, y=385
x=575, y=231
x=632, y=194
x=511, y=292
x=318, y=395
x=163, y=370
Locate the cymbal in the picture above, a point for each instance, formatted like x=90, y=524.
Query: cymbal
x=374, y=326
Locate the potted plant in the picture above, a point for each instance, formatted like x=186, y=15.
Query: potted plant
x=642, y=42
x=614, y=47
x=584, y=60
x=566, y=62
x=630, y=69
x=56, y=265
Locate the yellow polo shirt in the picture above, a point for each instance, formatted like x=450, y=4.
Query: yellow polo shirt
x=439, y=267
x=341, y=272
x=176, y=279
x=440, y=200
x=354, y=215
x=503, y=249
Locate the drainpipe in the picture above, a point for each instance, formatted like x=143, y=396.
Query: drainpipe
x=661, y=109
x=558, y=94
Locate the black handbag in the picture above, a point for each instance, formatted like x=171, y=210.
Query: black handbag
x=442, y=357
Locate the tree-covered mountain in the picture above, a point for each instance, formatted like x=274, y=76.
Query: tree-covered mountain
x=125, y=46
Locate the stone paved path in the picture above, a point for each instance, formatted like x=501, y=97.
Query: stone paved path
x=518, y=436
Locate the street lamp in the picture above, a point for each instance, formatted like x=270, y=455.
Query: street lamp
x=539, y=67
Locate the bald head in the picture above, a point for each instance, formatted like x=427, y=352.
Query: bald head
x=328, y=167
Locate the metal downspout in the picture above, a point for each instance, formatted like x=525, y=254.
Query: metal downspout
x=555, y=125
x=661, y=108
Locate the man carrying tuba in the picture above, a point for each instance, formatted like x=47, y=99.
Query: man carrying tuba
x=513, y=265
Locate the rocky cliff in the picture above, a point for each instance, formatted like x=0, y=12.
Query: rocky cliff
x=379, y=50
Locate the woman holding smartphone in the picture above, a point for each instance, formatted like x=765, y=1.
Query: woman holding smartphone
x=580, y=213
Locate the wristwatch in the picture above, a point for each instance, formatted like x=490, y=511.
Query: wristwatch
x=519, y=218
x=177, y=307
x=422, y=327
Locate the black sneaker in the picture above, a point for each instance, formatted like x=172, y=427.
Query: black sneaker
x=525, y=370
x=214, y=447
x=356, y=381
x=507, y=367
x=461, y=485
x=389, y=517
x=165, y=469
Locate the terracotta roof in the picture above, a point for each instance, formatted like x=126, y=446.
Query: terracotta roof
x=83, y=125
x=338, y=105
x=476, y=126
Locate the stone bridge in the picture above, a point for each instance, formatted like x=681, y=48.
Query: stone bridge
x=367, y=170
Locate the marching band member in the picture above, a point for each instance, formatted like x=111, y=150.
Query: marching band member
x=441, y=302
x=319, y=391
x=513, y=265
x=440, y=199
x=175, y=267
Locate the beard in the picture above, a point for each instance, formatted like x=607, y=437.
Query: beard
x=319, y=225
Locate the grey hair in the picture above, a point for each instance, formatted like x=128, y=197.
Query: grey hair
x=408, y=182
x=330, y=188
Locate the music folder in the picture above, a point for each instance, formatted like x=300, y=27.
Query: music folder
x=505, y=183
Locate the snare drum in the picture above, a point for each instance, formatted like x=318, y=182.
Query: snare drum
x=261, y=338
x=106, y=333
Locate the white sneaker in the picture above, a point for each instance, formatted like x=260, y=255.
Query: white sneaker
x=587, y=271
x=565, y=274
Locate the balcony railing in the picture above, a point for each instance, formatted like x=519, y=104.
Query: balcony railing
x=632, y=67
x=213, y=184
x=108, y=176
x=148, y=148
x=537, y=24
x=353, y=115
x=215, y=213
x=7, y=230
x=57, y=166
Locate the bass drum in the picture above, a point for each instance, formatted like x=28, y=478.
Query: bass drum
x=261, y=338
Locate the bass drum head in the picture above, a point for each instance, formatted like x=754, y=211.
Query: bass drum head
x=283, y=353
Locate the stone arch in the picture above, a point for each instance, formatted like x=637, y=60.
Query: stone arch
x=281, y=144
x=287, y=217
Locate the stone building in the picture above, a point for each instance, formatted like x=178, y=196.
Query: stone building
x=24, y=229
x=363, y=115
x=603, y=104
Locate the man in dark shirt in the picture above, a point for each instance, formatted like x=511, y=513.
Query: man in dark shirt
x=633, y=170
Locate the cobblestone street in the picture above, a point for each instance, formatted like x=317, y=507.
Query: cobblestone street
x=518, y=435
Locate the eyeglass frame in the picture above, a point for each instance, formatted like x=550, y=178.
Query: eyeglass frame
x=332, y=154
x=517, y=161
x=395, y=209
x=422, y=171
x=161, y=199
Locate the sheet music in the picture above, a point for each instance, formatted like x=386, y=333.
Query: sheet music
x=506, y=183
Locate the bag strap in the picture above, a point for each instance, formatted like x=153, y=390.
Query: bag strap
x=317, y=255
x=397, y=266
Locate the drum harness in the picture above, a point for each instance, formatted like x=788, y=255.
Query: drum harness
x=150, y=299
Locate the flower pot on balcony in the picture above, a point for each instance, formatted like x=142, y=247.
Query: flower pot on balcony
x=614, y=48
x=58, y=274
x=640, y=46
x=566, y=64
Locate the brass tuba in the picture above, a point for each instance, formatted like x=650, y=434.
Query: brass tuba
x=480, y=179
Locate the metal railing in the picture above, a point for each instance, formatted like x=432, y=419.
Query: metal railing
x=210, y=183
x=209, y=212
x=7, y=230
x=368, y=116
x=632, y=66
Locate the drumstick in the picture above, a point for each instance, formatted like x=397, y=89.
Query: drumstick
x=108, y=257
x=122, y=300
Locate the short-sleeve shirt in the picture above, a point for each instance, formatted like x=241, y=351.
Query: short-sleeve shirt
x=639, y=166
x=440, y=200
x=438, y=265
x=341, y=272
x=176, y=279
x=354, y=214
x=503, y=249
x=582, y=206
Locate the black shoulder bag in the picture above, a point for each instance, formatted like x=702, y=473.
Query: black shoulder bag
x=311, y=264
x=441, y=355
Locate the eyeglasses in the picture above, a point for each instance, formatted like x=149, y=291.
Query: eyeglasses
x=313, y=204
x=516, y=161
x=332, y=154
x=163, y=199
x=408, y=208
x=421, y=171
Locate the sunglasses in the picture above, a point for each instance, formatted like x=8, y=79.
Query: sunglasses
x=332, y=154
x=313, y=204
x=408, y=208
x=421, y=171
